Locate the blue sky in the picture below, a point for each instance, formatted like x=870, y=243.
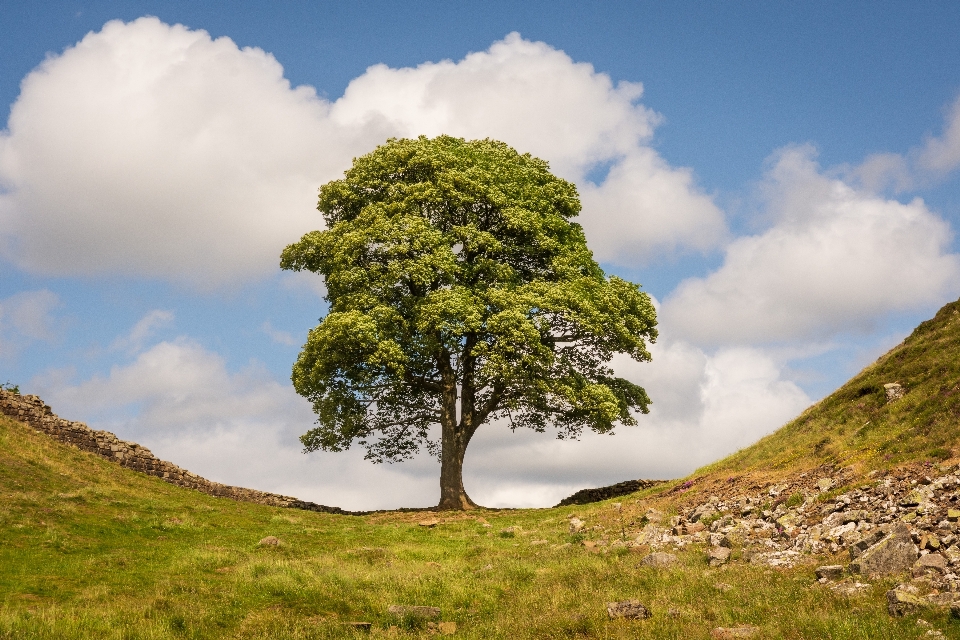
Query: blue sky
x=784, y=182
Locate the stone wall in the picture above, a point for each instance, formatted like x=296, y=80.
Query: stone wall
x=31, y=411
x=586, y=496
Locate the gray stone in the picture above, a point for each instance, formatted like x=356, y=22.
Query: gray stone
x=414, y=611
x=893, y=390
x=629, y=609
x=659, y=560
x=269, y=541
x=824, y=484
x=930, y=562
x=576, y=524
x=893, y=554
x=718, y=555
x=871, y=538
x=830, y=572
x=900, y=602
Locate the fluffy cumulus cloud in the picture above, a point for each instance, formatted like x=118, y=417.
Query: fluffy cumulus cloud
x=834, y=259
x=26, y=317
x=704, y=407
x=179, y=399
x=155, y=150
x=924, y=164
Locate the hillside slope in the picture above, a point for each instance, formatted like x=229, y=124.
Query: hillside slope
x=860, y=425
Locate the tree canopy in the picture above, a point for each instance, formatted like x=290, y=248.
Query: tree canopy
x=460, y=291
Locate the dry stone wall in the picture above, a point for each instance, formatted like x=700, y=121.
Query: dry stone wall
x=32, y=411
x=586, y=496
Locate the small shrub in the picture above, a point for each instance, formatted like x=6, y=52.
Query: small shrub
x=795, y=500
x=12, y=388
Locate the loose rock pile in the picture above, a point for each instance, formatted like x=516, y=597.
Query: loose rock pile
x=905, y=521
x=31, y=411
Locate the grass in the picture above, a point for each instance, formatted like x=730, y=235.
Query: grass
x=857, y=426
x=91, y=550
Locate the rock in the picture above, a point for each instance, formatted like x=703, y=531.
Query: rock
x=731, y=539
x=693, y=527
x=414, y=611
x=824, y=484
x=830, y=572
x=269, y=541
x=730, y=633
x=953, y=515
x=893, y=554
x=702, y=512
x=628, y=609
x=431, y=522
x=362, y=626
x=930, y=562
x=659, y=560
x=576, y=524
x=900, y=602
x=871, y=538
x=893, y=390
x=447, y=628
x=717, y=556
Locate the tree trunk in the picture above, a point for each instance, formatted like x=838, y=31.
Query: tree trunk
x=454, y=446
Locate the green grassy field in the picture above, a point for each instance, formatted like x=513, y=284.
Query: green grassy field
x=90, y=550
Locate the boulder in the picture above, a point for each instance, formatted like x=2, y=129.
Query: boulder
x=830, y=572
x=893, y=554
x=901, y=602
x=930, y=562
x=576, y=524
x=717, y=556
x=269, y=541
x=628, y=609
x=893, y=390
x=659, y=560
x=868, y=540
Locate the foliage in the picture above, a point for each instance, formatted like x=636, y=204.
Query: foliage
x=12, y=388
x=460, y=291
x=92, y=550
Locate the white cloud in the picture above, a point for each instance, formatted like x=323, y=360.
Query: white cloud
x=941, y=155
x=26, y=317
x=278, y=336
x=704, y=407
x=154, y=150
x=645, y=208
x=835, y=259
x=180, y=400
x=924, y=164
x=143, y=330
x=539, y=100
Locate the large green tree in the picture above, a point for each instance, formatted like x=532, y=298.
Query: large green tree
x=460, y=291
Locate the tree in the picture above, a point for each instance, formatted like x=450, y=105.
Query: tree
x=460, y=292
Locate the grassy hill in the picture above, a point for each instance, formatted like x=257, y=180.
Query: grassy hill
x=91, y=550
x=859, y=426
